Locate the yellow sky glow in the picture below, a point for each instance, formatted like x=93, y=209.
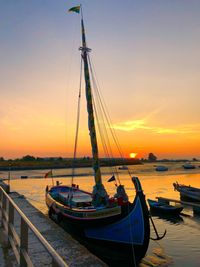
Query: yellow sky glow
x=148, y=74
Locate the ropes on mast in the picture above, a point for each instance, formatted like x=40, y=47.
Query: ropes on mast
x=77, y=122
x=106, y=120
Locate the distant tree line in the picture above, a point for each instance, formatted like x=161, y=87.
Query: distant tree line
x=30, y=160
x=152, y=157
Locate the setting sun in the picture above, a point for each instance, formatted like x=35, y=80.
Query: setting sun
x=133, y=155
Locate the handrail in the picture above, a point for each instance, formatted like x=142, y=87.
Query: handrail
x=25, y=225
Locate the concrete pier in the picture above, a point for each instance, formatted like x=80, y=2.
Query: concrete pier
x=7, y=257
x=69, y=249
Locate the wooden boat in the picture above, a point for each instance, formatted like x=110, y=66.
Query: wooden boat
x=123, y=168
x=188, y=166
x=114, y=223
x=161, y=168
x=24, y=176
x=164, y=208
x=187, y=192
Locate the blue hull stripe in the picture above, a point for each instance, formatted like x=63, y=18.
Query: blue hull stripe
x=129, y=230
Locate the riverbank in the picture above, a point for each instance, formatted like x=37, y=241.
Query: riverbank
x=61, y=163
x=182, y=240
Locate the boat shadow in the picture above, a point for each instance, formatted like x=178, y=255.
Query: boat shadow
x=108, y=256
x=173, y=219
x=188, y=199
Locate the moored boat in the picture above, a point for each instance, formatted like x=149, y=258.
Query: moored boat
x=187, y=192
x=164, y=208
x=124, y=167
x=111, y=222
x=161, y=168
x=188, y=166
x=24, y=176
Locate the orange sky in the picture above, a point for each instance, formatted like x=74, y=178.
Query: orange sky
x=146, y=56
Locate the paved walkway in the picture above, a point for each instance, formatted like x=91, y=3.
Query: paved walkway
x=7, y=258
x=68, y=248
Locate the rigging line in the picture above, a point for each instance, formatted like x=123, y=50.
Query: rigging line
x=98, y=113
x=109, y=121
x=100, y=130
x=103, y=132
x=105, y=148
x=106, y=112
x=106, y=137
x=70, y=64
x=77, y=124
x=104, y=115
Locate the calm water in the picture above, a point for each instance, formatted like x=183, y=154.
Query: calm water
x=181, y=245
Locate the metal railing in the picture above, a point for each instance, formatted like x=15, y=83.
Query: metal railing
x=19, y=242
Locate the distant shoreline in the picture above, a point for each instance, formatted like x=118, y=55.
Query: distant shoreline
x=20, y=165
x=63, y=164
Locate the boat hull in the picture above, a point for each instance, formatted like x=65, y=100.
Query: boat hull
x=163, y=208
x=188, y=166
x=122, y=238
x=161, y=169
x=188, y=192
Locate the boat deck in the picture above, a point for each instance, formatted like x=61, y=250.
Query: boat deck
x=78, y=196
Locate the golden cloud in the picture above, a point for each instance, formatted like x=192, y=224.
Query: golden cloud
x=144, y=125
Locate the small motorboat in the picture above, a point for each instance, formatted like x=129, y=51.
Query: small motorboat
x=188, y=166
x=24, y=177
x=161, y=168
x=164, y=208
x=123, y=167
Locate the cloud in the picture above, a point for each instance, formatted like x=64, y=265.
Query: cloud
x=131, y=125
x=145, y=125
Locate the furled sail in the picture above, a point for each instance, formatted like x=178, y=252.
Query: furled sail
x=100, y=196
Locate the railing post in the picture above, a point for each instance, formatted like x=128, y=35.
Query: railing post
x=10, y=218
x=20, y=243
x=23, y=242
x=4, y=204
x=1, y=197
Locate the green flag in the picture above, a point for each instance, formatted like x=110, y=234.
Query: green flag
x=75, y=9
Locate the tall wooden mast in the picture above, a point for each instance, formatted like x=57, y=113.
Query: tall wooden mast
x=91, y=123
x=99, y=192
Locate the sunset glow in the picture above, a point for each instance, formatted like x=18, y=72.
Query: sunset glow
x=148, y=73
x=133, y=155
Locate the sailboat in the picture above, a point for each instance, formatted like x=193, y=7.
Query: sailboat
x=114, y=224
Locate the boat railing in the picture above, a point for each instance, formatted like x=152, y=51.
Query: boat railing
x=19, y=242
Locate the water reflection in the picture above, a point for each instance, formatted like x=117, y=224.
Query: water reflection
x=181, y=245
x=158, y=258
